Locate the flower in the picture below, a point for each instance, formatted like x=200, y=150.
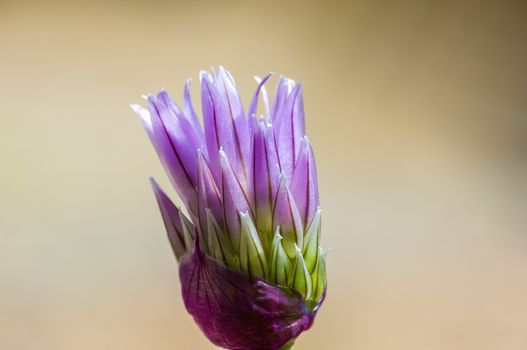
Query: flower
x=250, y=263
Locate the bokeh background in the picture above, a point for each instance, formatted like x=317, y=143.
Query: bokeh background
x=417, y=111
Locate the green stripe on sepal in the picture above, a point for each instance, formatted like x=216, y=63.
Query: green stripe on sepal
x=219, y=244
x=319, y=276
x=281, y=269
x=252, y=255
x=311, y=239
x=302, y=279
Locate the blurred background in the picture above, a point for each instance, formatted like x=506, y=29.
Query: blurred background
x=417, y=111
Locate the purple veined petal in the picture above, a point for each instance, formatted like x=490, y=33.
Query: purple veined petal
x=237, y=312
x=304, y=184
x=225, y=124
x=286, y=215
x=254, y=104
x=289, y=128
x=181, y=138
x=234, y=199
x=210, y=121
x=172, y=220
x=238, y=148
x=209, y=196
x=266, y=176
x=166, y=151
x=189, y=125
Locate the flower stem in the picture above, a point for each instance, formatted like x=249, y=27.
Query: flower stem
x=288, y=346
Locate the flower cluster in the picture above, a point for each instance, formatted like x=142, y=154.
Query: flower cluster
x=251, y=267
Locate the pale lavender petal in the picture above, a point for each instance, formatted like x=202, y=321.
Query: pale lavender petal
x=225, y=124
x=210, y=120
x=229, y=104
x=283, y=89
x=304, y=185
x=254, y=104
x=266, y=100
x=289, y=129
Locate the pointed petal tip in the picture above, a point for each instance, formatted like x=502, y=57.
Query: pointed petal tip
x=153, y=182
x=144, y=116
x=266, y=77
x=298, y=250
x=156, y=188
x=204, y=76
x=139, y=110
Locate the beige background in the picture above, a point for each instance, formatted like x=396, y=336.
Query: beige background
x=418, y=115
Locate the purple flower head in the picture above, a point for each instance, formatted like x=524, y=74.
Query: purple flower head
x=250, y=263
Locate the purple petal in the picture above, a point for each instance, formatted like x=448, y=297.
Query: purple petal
x=254, y=104
x=286, y=216
x=283, y=89
x=266, y=175
x=289, y=129
x=225, y=123
x=187, y=121
x=234, y=199
x=167, y=151
x=210, y=120
x=304, y=185
x=237, y=312
x=181, y=134
x=209, y=196
x=241, y=147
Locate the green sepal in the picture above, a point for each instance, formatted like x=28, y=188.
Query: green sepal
x=294, y=235
x=189, y=234
x=311, y=239
x=302, y=282
x=252, y=255
x=281, y=269
x=219, y=244
x=319, y=276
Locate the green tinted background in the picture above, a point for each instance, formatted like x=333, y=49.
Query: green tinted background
x=417, y=112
